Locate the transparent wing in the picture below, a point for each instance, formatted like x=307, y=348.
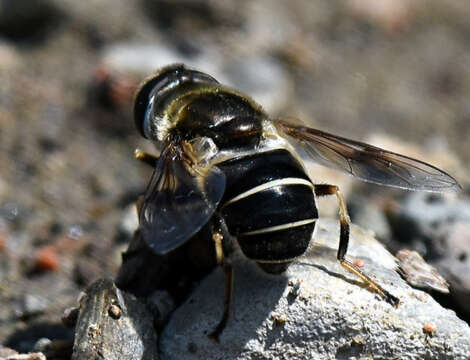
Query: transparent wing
x=367, y=162
x=179, y=200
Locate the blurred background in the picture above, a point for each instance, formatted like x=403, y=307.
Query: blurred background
x=394, y=73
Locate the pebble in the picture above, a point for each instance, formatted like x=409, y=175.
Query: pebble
x=9, y=58
x=42, y=344
x=419, y=274
x=115, y=311
x=31, y=305
x=391, y=15
x=138, y=58
x=130, y=221
x=430, y=328
x=46, y=259
x=454, y=265
x=30, y=356
x=70, y=316
x=6, y=352
x=28, y=19
x=260, y=77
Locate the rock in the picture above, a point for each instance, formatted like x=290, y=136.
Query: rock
x=455, y=264
x=420, y=274
x=31, y=305
x=142, y=59
x=123, y=65
x=430, y=208
x=42, y=344
x=417, y=220
x=9, y=58
x=5, y=352
x=190, y=17
x=262, y=78
x=130, y=221
x=437, y=227
x=316, y=310
x=28, y=20
x=70, y=316
x=391, y=15
x=29, y=356
x=113, y=325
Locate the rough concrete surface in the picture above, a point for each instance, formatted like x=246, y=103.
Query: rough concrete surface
x=316, y=310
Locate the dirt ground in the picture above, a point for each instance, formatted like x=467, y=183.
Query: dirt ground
x=395, y=72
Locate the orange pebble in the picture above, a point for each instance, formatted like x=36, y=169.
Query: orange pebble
x=2, y=242
x=429, y=328
x=358, y=262
x=46, y=258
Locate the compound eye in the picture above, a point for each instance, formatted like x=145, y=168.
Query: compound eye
x=147, y=118
x=162, y=84
x=143, y=103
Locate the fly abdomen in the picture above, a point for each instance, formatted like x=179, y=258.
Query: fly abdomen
x=273, y=216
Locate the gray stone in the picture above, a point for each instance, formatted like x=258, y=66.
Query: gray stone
x=29, y=356
x=5, y=352
x=316, y=310
x=31, y=305
x=262, y=77
x=129, y=221
x=42, y=344
x=455, y=264
x=438, y=227
x=113, y=324
x=428, y=208
x=144, y=59
x=419, y=274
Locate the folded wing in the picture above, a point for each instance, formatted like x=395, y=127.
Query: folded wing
x=367, y=162
x=179, y=200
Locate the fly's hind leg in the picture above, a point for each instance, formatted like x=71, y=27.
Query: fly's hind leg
x=218, y=238
x=323, y=190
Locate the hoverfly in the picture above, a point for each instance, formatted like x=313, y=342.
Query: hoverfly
x=224, y=162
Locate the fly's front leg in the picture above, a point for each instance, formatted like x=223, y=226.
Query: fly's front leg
x=218, y=238
x=146, y=158
x=323, y=190
x=150, y=160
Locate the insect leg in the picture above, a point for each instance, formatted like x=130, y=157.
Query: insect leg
x=150, y=160
x=138, y=204
x=325, y=189
x=147, y=158
x=228, y=270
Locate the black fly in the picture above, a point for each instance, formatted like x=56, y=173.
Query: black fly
x=224, y=161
